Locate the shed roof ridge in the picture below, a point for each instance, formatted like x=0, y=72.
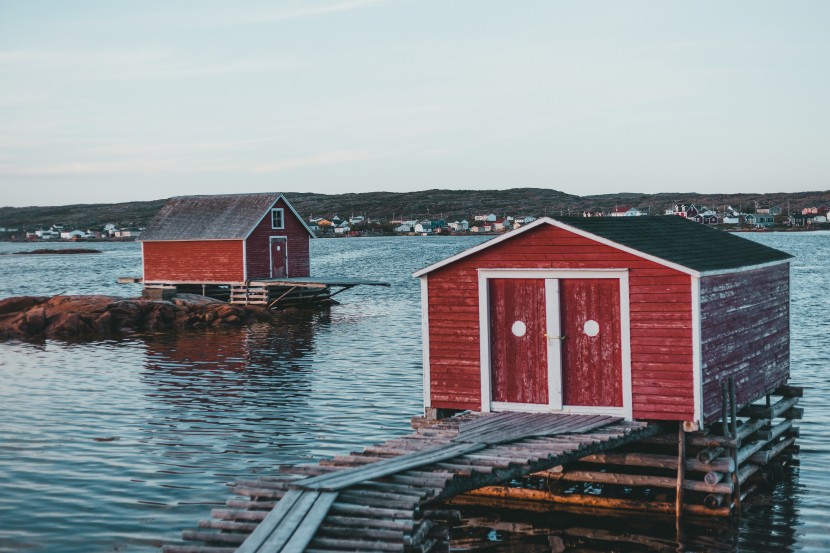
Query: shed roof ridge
x=664, y=252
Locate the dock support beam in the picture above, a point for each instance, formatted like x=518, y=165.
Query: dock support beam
x=681, y=473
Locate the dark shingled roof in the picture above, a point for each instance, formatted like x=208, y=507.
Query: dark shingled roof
x=678, y=240
x=221, y=217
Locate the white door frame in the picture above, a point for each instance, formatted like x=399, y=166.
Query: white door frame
x=554, y=345
x=271, y=240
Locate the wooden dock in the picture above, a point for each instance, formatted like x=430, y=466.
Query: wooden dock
x=271, y=292
x=384, y=498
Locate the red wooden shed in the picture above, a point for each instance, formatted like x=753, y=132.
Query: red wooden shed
x=225, y=239
x=641, y=317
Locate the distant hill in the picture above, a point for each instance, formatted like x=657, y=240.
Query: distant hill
x=449, y=204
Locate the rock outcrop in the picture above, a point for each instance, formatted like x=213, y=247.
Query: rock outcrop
x=101, y=316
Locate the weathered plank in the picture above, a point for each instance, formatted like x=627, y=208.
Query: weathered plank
x=374, y=500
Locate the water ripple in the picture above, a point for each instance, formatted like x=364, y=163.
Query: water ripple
x=119, y=444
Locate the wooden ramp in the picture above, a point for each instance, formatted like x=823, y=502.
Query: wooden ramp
x=379, y=500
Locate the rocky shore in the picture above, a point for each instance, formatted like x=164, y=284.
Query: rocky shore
x=102, y=316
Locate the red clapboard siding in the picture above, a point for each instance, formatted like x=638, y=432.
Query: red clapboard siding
x=258, y=255
x=193, y=261
x=745, y=334
x=660, y=315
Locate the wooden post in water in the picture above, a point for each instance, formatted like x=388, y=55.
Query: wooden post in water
x=681, y=475
x=724, y=407
x=736, y=484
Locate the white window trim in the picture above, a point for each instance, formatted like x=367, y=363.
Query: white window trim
x=697, y=351
x=425, y=340
x=554, y=398
x=282, y=218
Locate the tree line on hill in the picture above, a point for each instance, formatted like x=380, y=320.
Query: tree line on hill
x=425, y=204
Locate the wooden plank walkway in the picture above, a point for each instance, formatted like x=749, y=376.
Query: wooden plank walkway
x=380, y=499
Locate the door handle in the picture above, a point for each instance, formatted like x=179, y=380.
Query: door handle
x=549, y=337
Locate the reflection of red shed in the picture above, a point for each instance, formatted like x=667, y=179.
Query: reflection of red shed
x=636, y=316
x=225, y=239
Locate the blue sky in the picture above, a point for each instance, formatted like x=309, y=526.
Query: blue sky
x=112, y=101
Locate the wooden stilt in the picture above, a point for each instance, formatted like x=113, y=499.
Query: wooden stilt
x=681, y=473
x=724, y=406
x=736, y=485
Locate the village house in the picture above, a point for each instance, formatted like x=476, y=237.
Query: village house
x=128, y=232
x=47, y=234
x=501, y=225
x=460, y=226
x=74, y=235
x=815, y=210
x=771, y=210
x=626, y=211
x=758, y=220
x=706, y=217
x=485, y=218
x=523, y=220
x=343, y=228
x=406, y=226
x=683, y=210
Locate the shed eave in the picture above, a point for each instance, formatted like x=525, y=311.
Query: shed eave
x=194, y=240
x=716, y=272
x=558, y=224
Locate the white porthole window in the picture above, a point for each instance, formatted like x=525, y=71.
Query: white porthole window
x=518, y=329
x=591, y=328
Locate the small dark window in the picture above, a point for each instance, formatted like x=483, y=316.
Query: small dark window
x=277, y=218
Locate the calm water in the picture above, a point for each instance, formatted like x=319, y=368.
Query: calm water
x=117, y=445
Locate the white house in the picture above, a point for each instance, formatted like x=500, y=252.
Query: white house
x=406, y=226
x=460, y=226
x=625, y=211
x=47, y=234
x=69, y=235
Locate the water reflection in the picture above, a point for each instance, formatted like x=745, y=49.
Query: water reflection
x=243, y=392
x=770, y=523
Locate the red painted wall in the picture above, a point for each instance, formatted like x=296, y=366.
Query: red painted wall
x=193, y=261
x=745, y=333
x=258, y=258
x=661, y=320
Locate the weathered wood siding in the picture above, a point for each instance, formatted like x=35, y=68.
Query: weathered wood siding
x=257, y=244
x=745, y=333
x=661, y=320
x=193, y=261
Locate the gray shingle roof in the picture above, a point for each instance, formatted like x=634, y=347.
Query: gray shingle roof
x=675, y=239
x=221, y=217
